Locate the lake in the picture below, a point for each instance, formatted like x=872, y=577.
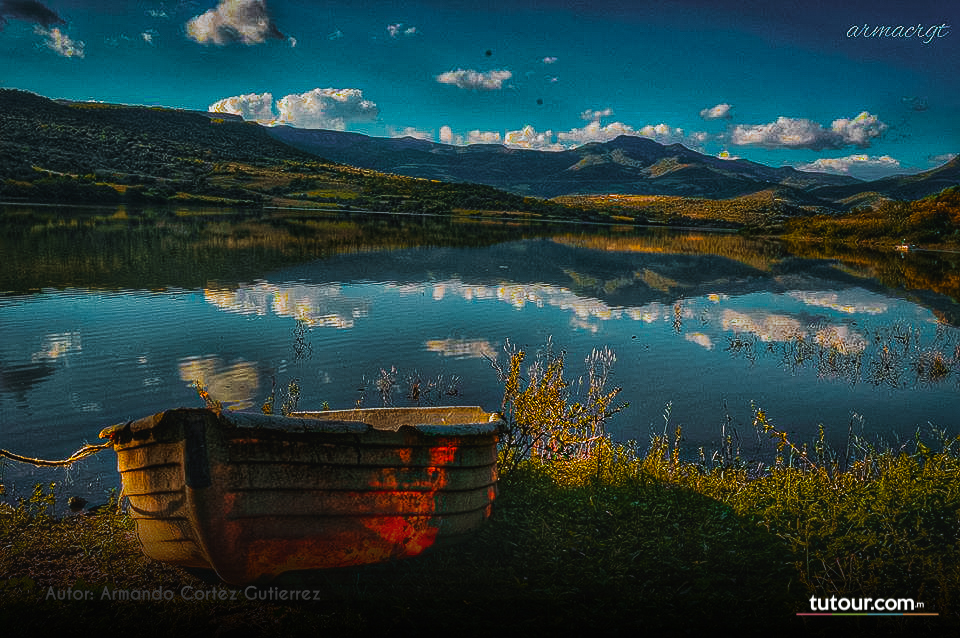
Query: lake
x=111, y=315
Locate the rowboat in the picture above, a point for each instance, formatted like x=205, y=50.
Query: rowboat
x=252, y=496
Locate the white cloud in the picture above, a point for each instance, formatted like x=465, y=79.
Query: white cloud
x=549, y=59
x=319, y=108
x=594, y=132
x=483, y=137
x=718, y=112
x=591, y=115
x=529, y=137
x=470, y=79
x=789, y=132
x=252, y=106
x=942, y=159
x=860, y=130
x=244, y=21
x=662, y=133
x=56, y=40
x=412, y=131
x=446, y=135
x=325, y=108
x=861, y=166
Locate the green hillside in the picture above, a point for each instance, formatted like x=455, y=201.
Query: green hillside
x=106, y=153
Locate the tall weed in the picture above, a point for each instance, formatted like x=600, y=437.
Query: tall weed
x=548, y=417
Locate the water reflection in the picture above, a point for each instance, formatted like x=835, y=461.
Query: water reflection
x=883, y=358
x=316, y=305
x=20, y=379
x=58, y=346
x=697, y=321
x=462, y=348
x=233, y=384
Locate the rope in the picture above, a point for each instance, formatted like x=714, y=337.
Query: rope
x=83, y=452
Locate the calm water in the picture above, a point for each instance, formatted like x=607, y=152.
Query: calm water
x=115, y=317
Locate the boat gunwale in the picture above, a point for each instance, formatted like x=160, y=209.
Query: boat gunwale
x=314, y=423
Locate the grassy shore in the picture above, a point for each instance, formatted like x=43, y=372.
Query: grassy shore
x=619, y=541
x=586, y=535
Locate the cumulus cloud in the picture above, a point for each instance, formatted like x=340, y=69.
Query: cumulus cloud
x=28, y=11
x=796, y=133
x=446, y=135
x=319, y=108
x=483, y=137
x=470, y=79
x=594, y=132
x=243, y=21
x=529, y=137
x=326, y=108
x=549, y=59
x=56, y=40
x=942, y=159
x=412, y=131
x=45, y=22
x=861, y=166
x=718, y=112
x=591, y=115
x=666, y=134
x=860, y=130
x=252, y=106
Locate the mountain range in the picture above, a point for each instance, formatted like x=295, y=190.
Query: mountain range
x=625, y=165
x=163, y=151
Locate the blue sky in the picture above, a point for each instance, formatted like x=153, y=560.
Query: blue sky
x=867, y=88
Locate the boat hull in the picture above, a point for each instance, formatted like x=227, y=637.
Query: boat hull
x=251, y=496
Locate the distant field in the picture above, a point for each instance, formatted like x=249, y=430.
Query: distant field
x=755, y=209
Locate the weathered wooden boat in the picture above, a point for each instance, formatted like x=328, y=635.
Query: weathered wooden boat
x=252, y=496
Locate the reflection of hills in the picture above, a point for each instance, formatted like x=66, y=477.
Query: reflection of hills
x=617, y=278
x=20, y=379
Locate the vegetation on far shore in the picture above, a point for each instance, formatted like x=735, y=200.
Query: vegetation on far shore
x=586, y=534
x=931, y=221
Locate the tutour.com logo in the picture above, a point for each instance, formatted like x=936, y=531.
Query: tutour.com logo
x=837, y=606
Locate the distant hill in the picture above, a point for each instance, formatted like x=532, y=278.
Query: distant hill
x=84, y=137
x=903, y=187
x=90, y=152
x=626, y=165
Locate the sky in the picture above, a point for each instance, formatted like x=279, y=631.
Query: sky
x=859, y=88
